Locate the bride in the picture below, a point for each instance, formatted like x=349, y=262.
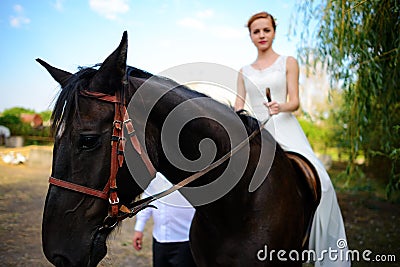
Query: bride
x=281, y=75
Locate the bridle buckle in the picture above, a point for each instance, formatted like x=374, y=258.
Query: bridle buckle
x=117, y=124
x=113, y=202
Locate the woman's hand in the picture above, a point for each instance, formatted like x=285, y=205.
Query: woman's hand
x=274, y=107
x=137, y=240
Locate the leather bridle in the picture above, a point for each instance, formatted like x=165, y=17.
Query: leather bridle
x=121, y=119
x=117, y=211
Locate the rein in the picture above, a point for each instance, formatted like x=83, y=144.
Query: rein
x=121, y=118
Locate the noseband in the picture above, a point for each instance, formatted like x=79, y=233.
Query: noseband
x=121, y=119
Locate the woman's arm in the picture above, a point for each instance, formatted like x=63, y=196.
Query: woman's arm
x=241, y=92
x=292, y=83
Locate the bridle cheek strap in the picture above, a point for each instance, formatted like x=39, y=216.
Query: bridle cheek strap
x=116, y=140
x=137, y=146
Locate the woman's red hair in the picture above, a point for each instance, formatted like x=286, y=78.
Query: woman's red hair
x=261, y=15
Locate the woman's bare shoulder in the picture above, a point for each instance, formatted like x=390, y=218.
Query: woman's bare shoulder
x=291, y=61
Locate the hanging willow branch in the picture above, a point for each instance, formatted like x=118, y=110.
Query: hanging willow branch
x=359, y=42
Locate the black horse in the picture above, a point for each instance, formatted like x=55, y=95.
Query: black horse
x=232, y=228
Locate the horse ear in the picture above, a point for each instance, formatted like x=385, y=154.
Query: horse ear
x=111, y=75
x=60, y=76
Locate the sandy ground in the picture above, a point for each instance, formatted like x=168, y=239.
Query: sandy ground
x=371, y=223
x=22, y=193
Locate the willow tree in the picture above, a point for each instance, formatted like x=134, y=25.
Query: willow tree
x=359, y=41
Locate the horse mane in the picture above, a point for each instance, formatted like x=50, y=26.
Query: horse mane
x=248, y=121
x=138, y=73
x=67, y=100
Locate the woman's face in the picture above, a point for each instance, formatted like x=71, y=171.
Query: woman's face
x=262, y=33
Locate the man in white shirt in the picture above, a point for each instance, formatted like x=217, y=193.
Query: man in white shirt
x=172, y=220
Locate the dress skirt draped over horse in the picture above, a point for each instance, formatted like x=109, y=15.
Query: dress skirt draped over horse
x=328, y=228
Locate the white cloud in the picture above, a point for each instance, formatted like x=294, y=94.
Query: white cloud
x=165, y=43
x=59, y=5
x=19, y=18
x=162, y=9
x=109, y=8
x=196, y=22
x=228, y=32
x=191, y=23
x=203, y=21
x=208, y=13
x=18, y=9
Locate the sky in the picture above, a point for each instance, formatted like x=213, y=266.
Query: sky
x=161, y=34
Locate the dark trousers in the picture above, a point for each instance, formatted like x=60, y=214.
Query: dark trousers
x=174, y=254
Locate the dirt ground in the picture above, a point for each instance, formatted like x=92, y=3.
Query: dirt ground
x=371, y=223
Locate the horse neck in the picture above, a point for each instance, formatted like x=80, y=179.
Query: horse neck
x=191, y=136
x=265, y=164
x=153, y=104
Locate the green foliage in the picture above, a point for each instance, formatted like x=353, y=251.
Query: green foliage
x=359, y=42
x=329, y=131
x=317, y=136
x=14, y=123
x=11, y=119
x=46, y=115
x=17, y=111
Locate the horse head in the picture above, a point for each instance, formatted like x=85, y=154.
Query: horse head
x=83, y=125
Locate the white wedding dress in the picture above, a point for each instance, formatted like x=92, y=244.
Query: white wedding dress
x=327, y=231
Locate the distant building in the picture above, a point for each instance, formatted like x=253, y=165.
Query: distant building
x=35, y=120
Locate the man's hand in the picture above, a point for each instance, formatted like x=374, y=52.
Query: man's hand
x=137, y=240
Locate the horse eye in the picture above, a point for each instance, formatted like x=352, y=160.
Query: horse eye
x=88, y=141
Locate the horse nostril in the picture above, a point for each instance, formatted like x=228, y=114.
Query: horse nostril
x=61, y=261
